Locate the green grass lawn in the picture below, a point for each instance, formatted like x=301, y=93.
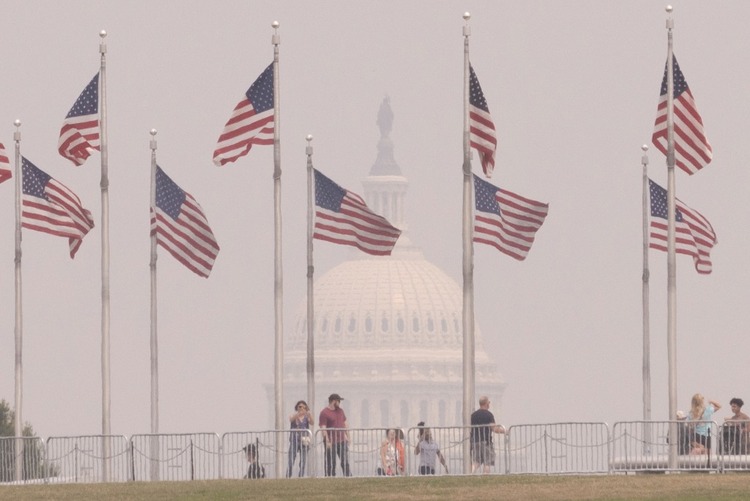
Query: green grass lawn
x=693, y=486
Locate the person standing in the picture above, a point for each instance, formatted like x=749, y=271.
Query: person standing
x=299, y=441
x=483, y=425
x=699, y=411
x=736, y=428
x=333, y=428
x=392, y=456
x=428, y=451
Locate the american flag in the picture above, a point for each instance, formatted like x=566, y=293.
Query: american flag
x=79, y=135
x=342, y=217
x=5, y=172
x=481, y=128
x=251, y=121
x=181, y=227
x=694, y=235
x=504, y=220
x=50, y=207
x=691, y=147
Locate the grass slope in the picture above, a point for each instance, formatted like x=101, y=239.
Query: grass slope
x=613, y=487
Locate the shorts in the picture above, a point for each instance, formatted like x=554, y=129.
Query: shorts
x=483, y=453
x=426, y=470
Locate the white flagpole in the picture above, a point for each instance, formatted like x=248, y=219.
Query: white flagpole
x=646, y=314
x=310, y=290
x=154, y=454
x=671, y=261
x=468, y=263
x=104, y=184
x=278, y=275
x=18, y=411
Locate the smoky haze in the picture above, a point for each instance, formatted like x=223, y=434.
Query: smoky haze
x=572, y=87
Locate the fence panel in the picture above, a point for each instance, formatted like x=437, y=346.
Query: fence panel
x=733, y=447
x=558, y=448
x=644, y=446
x=183, y=456
x=238, y=463
x=88, y=459
x=32, y=464
x=427, y=445
x=360, y=456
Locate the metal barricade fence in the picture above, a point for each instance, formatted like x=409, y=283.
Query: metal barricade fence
x=87, y=459
x=644, y=446
x=360, y=456
x=182, y=456
x=558, y=448
x=733, y=445
x=237, y=464
x=428, y=444
x=553, y=448
x=22, y=460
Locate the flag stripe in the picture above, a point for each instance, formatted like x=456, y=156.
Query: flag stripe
x=79, y=134
x=50, y=207
x=5, y=172
x=694, y=235
x=342, y=217
x=251, y=122
x=181, y=227
x=505, y=220
x=481, y=127
x=692, y=149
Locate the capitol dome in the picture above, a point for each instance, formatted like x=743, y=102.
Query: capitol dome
x=387, y=330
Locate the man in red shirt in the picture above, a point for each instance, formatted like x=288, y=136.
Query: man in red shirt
x=333, y=427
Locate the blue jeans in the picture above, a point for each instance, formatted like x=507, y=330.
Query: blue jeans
x=294, y=447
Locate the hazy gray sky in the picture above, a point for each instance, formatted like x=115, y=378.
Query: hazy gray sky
x=572, y=87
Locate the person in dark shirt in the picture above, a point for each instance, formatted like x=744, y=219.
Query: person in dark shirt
x=254, y=469
x=483, y=425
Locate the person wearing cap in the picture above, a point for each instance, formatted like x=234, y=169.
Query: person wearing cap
x=333, y=428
